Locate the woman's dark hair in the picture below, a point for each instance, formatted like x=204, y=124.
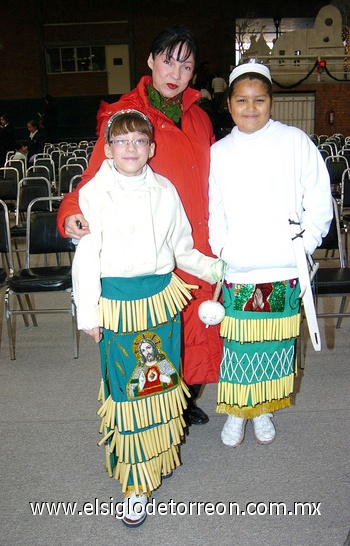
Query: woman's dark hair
x=168, y=39
x=250, y=76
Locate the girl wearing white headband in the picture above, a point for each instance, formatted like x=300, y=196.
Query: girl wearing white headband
x=260, y=173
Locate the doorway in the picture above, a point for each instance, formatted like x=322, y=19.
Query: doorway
x=118, y=69
x=297, y=110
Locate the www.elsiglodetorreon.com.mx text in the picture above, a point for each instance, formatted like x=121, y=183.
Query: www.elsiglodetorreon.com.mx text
x=175, y=508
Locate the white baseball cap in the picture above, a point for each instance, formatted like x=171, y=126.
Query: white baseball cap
x=251, y=66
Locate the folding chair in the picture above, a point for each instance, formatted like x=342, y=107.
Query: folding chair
x=334, y=281
x=6, y=266
x=28, y=189
x=7, y=263
x=336, y=165
x=42, y=239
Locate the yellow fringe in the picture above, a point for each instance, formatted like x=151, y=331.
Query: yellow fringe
x=246, y=330
x=237, y=396
x=127, y=416
x=147, y=475
x=250, y=412
x=131, y=316
x=158, y=444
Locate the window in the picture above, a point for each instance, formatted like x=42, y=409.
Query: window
x=75, y=59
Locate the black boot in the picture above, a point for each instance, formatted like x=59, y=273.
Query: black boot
x=193, y=414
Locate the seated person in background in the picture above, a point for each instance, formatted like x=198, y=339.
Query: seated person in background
x=21, y=152
x=36, y=140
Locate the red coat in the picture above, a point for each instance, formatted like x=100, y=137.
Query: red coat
x=183, y=157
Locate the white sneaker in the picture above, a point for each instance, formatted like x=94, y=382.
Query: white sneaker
x=233, y=432
x=263, y=428
x=134, y=510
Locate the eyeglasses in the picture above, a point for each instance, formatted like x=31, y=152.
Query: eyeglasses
x=138, y=142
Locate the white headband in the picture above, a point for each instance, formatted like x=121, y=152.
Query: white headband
x=251, y=66
x=122, y=112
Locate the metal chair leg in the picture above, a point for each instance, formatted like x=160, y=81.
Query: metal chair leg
x=20, y=304
x=10, y=333
x=341, y=311
x=75, y=328
x=30, y=306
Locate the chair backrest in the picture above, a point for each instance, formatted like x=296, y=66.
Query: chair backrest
x=46, y=162
x=346, y=153
x=322, y=138
x=29, y=189
x=38, y=170
x=64, y=158
x=17, y=164
x=8, y=183
x=9, y=154
x=83, y=144
x=55, y=156
x=336, y=165
x=41, y=155
x=333, y=240
x=66, y=173
x=80, y=152
x=341, y=138
x=345, y=191
x=42, y=234
x=74, y=181
x=48, y=148
x=335, y=143
x=78, y=160
x=5, y=237
x=325, y=150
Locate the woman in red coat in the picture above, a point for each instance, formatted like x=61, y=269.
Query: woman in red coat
x=183, y=135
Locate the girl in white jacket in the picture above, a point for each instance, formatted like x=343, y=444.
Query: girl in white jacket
x=260, y=173
x=129, y=300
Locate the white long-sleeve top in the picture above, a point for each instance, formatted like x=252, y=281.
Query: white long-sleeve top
x=256, y=180
x=138, y=227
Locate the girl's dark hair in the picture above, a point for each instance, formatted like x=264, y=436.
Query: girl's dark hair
x=251, y=76
x=130, y=123
x=170, y=38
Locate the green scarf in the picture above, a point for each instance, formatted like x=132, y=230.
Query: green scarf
x=172, y=108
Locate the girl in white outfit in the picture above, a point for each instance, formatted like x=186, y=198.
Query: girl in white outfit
x=260, y=173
